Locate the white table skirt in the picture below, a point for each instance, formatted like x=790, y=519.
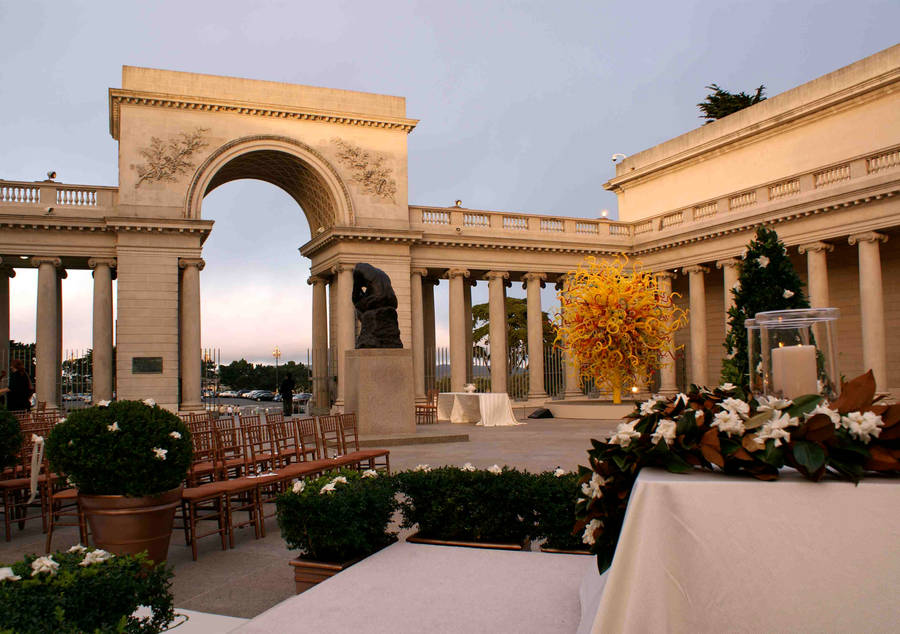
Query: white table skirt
x=703, y=552
x=491, y=409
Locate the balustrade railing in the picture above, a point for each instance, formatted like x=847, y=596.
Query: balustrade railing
x=706, y=210
x=740, y=201
x=10, y=193
x=784, y=189
x=52, y=194
x=882, y=162
x=832, y=175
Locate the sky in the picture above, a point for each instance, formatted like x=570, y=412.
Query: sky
x=521, y=106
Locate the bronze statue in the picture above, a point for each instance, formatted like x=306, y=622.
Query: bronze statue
x=376, y=308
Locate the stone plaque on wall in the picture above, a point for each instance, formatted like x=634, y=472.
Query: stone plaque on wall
x=146, y=365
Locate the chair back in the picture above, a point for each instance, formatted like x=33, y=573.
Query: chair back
x=349, y=433
x=274, y=417
x=306, y=437
x=206, y=455
x=330, y=430
x=283, y=442
x=258, y=450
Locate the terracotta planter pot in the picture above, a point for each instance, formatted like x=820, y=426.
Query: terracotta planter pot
x=127, y=526
x=415, y=539
x=308, y=572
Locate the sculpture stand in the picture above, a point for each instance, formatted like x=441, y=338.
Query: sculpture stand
x=379, y=389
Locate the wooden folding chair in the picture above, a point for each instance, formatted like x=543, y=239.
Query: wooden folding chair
x=426, y=413
x=16, y=489
x=204, y=499
x=64, y=503
x=379, y=459
x=307, y=439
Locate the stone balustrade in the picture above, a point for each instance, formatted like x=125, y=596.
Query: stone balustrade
x=35, y=197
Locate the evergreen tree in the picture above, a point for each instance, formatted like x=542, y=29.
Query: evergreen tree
x=721, y=103
x=767, y=281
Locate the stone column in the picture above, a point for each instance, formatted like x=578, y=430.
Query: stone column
x=346, y=325
x=699, y=362
x=418, y=332
x=871, y=304
x=189, y=359
x=6, y=272
x=457, y=279
x=573, y=371
x=731, y=272
x=428, y=285
x=533, y=282
x=497, y=329
x=47, y=330
x=319, y=343
x=668, y=384
x=102, y=328
x=817, y=272
x=467, y=316
x=61, y=274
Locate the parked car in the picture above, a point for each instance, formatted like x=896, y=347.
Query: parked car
x=302, y=398
x=228, y=394
x=244, y=393
x=263, y=395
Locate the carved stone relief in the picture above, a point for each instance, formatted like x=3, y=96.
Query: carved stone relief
x=368, y=170
x=166, y=161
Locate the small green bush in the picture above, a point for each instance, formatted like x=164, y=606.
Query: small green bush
x=117, y=449
x=10, y=438
x=100, y=597
x=334, y=521
x=468, y=505
x=554, y=502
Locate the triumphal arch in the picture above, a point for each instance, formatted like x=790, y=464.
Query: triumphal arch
x=820, y=163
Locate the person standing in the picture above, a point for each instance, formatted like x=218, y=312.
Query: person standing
x=20, y=387
x=287, y=394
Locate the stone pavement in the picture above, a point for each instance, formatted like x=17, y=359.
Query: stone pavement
x=255, y=575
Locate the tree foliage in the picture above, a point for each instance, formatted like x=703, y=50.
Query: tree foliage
x=243, y=375
x=721, y=103
x=516, y=330
x=767, y=281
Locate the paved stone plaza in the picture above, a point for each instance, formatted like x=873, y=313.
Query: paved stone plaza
x=255, y=575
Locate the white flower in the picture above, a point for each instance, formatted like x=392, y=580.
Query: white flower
x=787, y=294
x=6, y=574
x=77, y=548
x=824, y=409
x=737, y=406
x=113, y=427
x=175, y=435
x=762, y=261
x=560, y=472
x=95, y=557
x=698, y=415
x=665, y=430
x=370, y=473
x=776, y=429
x=468, y=467
x=729, y=422
x=160, y=453
x=61, y=420
x=624, y=433
x=495, y=469
x=727, y=387
x=298, y=486
x=737, y=285
x=339, y=480
x=863, y=426
x=422, y=467
x=149, y=402
x=103, y=403
x=647, y=407
x=772, y=403
x=589, y=530
x=43, y=564
x=328, y=488
x=594, y=488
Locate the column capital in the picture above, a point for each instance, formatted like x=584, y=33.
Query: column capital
x=451, y=273
x=560, y=281
x=420, y=271
x=45, y=259
x=62, y=273
x=868, y=236
x=316, y=279
x=493, y=275
x=727, y=262
x=183, y=263
x=694, y=268
x=95, y=262
x=669, y=275
x=815, y=247
x=342, y=267
x=533, y=275
x=7, y=270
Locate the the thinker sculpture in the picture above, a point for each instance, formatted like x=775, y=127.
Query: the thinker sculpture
x=376, y=308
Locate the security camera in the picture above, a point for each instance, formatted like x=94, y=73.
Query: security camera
x=618, y=157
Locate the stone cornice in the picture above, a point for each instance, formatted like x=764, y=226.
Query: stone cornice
x=111, y=223
x=119, y=97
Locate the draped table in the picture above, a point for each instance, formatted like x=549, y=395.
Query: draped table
x=704, y=552
x=491, y=409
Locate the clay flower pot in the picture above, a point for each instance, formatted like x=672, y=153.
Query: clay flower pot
x=129, y=525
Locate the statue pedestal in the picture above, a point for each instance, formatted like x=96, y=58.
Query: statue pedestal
x=379, y=389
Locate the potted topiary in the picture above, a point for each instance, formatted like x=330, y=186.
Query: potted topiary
x=482, y=508
x=128, y=460
x=10, y=438
x=555, y=495
x=84, y=590
x=335, y=520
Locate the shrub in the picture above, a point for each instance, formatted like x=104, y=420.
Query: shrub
x=470, y=505
x=99, y=597
x=554, y=503
x=10, y=438
x=328, y=519
x=125, y=448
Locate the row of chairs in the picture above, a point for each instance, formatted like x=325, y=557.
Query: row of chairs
x=426, y=413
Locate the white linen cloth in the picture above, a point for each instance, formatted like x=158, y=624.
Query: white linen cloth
x=492, y=409
x=704, y=552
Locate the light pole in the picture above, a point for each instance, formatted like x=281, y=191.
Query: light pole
x=277, y=354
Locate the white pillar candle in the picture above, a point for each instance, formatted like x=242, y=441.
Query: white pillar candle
x=794, y=370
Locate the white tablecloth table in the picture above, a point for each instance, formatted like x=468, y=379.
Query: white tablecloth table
x=703, y=552
x=491, y=409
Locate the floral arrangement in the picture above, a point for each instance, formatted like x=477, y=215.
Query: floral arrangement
x=338, y=517
x=615, y=323
x=10, y=438
x=468, y=504
x=84, y=590
x=724, y=429
x=128, y=448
